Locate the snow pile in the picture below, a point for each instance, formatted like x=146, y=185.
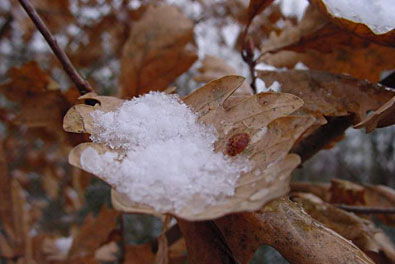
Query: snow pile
x=169, y=158
x=378, y=15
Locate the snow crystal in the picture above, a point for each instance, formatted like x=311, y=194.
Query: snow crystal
x=168, y=158
x=378, y=15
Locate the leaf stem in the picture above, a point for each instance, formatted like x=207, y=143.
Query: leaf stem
x=82, y=85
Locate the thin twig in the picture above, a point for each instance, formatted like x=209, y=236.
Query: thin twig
x=247, y=53
x=82, y=85
x=366, y=210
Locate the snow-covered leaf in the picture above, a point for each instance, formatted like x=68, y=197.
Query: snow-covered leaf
x=372, y=20
x=314, y=32
x=323, y=45
x=254, y=128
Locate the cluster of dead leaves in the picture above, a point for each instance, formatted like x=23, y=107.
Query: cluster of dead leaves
x=326, y=43
x=155, y=44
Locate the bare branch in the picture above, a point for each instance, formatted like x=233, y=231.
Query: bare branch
x=247, y=54
x=82, y=85
x=366, y=210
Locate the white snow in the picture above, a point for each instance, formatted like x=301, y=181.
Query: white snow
x=300, y=66
x=275, y=87
x=217, y=38
x=63, y=244
x=267, y=67
x=169, y=159
x=134, y=4
x=261, y=86
x=378, y=15
x=293, y=8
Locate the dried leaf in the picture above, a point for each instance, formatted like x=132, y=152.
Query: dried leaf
x=93, y=233
x=139, y=254
x=326, y=46
x=21, y=222
x=162, y=255
x=359, y=29
x=382, y=117
x=6, y=209
x=366, y=62
x=107, y=252
x=50, y=184
x=6, y=248
x=158, y=50
x=78, y=118
x=15, y=219
x=349, y=193
x=304, y=35
x=52, y=251
x=320, y=189
x=346, y=192
x=204, y=243
x=255, y=7
x=42, y=110
x=336, y=101
x=26, y=81
x=267, y=149
x=286, y=227
x=214, y=68
x=55, y=14
x=313, y=32
x=264, y=182
x=360, y=231
x=177, y=252
x=91, y=51
x=330, y=94
x=42, y=103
